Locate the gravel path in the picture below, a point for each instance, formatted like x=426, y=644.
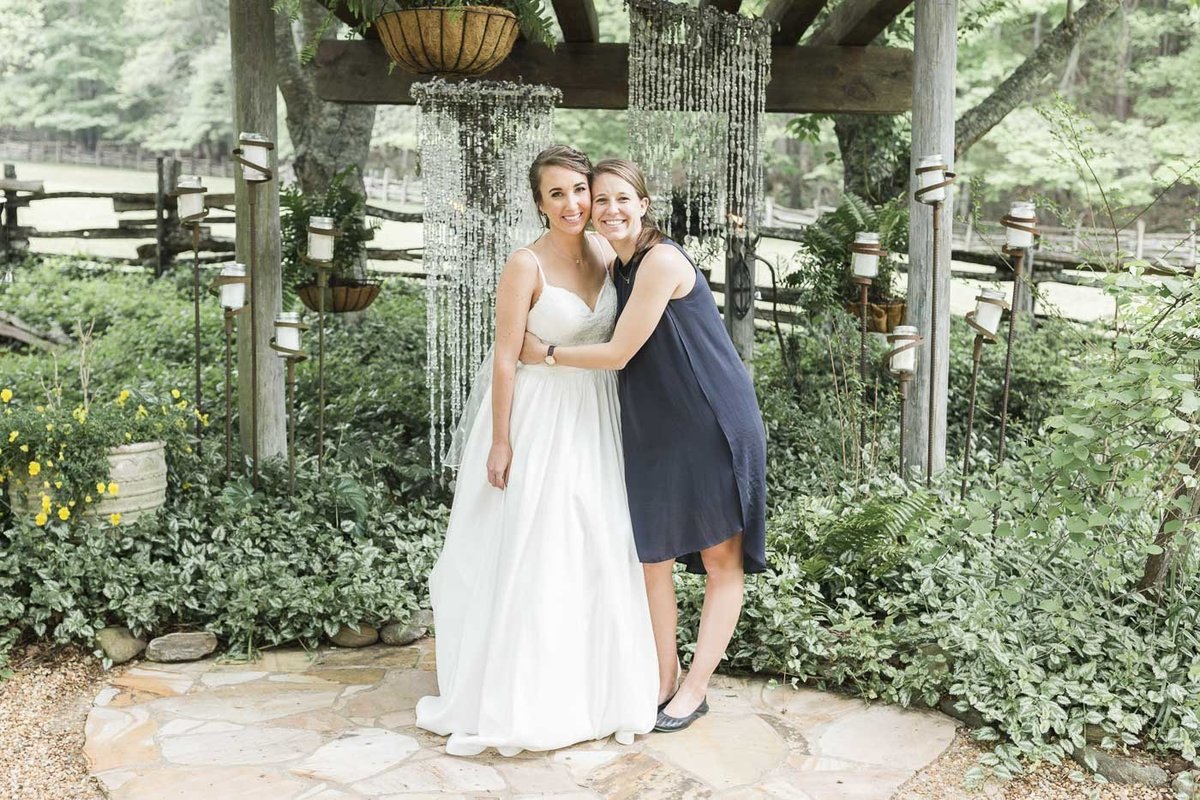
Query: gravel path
x=943, y=780
x=44, y=705
x=42, y=711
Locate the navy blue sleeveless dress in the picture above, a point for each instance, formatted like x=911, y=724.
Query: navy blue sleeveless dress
x=695, y=445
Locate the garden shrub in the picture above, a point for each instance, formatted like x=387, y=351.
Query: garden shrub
x=1024, y=602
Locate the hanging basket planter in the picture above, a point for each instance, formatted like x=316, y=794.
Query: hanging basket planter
x=468, y=40
x=881, y=317
x=341, y=298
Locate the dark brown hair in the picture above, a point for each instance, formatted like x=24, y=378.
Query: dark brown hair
x=632, y=174
x=556, y=155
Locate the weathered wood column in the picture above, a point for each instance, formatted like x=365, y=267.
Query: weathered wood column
x=252, y=38
x=739, y=297
x=935, y=51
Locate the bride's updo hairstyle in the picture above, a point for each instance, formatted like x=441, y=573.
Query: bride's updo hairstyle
x=556, y=155
x=632, y=174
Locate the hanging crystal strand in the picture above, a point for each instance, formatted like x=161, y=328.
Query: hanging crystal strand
x=477, y=139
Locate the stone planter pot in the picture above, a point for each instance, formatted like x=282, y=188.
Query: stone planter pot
x=140, y=472
x=470, y=40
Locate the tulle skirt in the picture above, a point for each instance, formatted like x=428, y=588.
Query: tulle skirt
x=542, y=627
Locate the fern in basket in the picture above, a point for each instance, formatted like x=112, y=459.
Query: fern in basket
x=824, y=276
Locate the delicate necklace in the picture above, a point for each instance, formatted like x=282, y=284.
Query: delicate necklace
x=578, y=261
x=621, y=271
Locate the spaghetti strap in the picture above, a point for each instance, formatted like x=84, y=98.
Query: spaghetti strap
x=537, y=261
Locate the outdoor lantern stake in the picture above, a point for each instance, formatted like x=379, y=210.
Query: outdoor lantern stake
x=321, y=238
x=254, y=155
x=190, y=201
x=901, y=362
x=286, y=343
x=1020, y=226
x=933, y=177
x=231, y=286
x=985, y=320
x=864, y=263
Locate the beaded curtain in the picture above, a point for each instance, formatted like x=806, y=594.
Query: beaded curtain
x=477, y=139
x=697, y=96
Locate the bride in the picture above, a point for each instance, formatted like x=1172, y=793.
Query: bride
x=543, y=629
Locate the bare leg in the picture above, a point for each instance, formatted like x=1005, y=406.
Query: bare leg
x=660, y=591
x=722, y=607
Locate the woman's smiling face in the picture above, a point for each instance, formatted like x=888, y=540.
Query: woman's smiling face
x=617, y=210
x=565, y=198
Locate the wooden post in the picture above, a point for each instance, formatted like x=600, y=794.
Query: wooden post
x=252, y=45
x=8, y=234
x=934, y=56
x=1139, y=248
x=1192, y=252
x=160, y=220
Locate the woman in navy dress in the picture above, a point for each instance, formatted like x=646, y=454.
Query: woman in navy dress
x=694, y=442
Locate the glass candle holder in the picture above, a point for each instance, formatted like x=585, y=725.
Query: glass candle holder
x=191, y=204
x=255, y=149
x=932, y=177
x=987, y=315
x=320, y=245
x=233, y=295
x=905, y=361
x=285, y=335
x=865, y=265
x=1025, y=213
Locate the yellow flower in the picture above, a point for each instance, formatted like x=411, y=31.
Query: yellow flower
x=114, y=519
x=71, y=504
x=122, y=397
x=112, y=488
x=24, y=448
x=100, y=487
x=49, y=463
x=45, y=484
x=5, y=395
x=175, y=394
x=80, y=414
x=40, y=409
x=186, y=485
x=49, y=426
x=87, y=499
x=58, y=484
x=45, y=502
x=64, y=513
x=34, y=467
x=12, y=435
x=142, y=412
x=181, y=405
x=128, y=436
x=40, y=519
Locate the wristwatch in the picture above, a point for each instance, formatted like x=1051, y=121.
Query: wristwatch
x=549, y=359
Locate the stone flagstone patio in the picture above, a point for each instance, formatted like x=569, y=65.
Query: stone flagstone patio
x=338, y=724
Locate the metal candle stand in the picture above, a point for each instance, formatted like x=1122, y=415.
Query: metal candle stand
x=292, y=357
x=265, y=174
x=1027, y=225
x=982, y=336
x=921, y=195
x=864, y=284
x=227, y=280
x=906, y=343
x=322, y=269
x=194, y=221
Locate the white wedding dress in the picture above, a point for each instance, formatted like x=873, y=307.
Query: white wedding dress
x=542, y=626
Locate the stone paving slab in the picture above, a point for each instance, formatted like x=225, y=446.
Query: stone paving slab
x=338, y=724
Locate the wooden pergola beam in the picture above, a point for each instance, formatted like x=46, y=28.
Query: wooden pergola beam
x=577, y=18
x=794, y=17
x=857, y=23
x=805, y=80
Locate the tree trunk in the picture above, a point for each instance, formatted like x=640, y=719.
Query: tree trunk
x=1159, y=566
x=935, y=55
x=327, y=137
x=1018, y=86
x=865, y=141
x=252, y=42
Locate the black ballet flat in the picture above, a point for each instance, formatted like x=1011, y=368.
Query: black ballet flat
x=668, y=724
x=666, y=702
